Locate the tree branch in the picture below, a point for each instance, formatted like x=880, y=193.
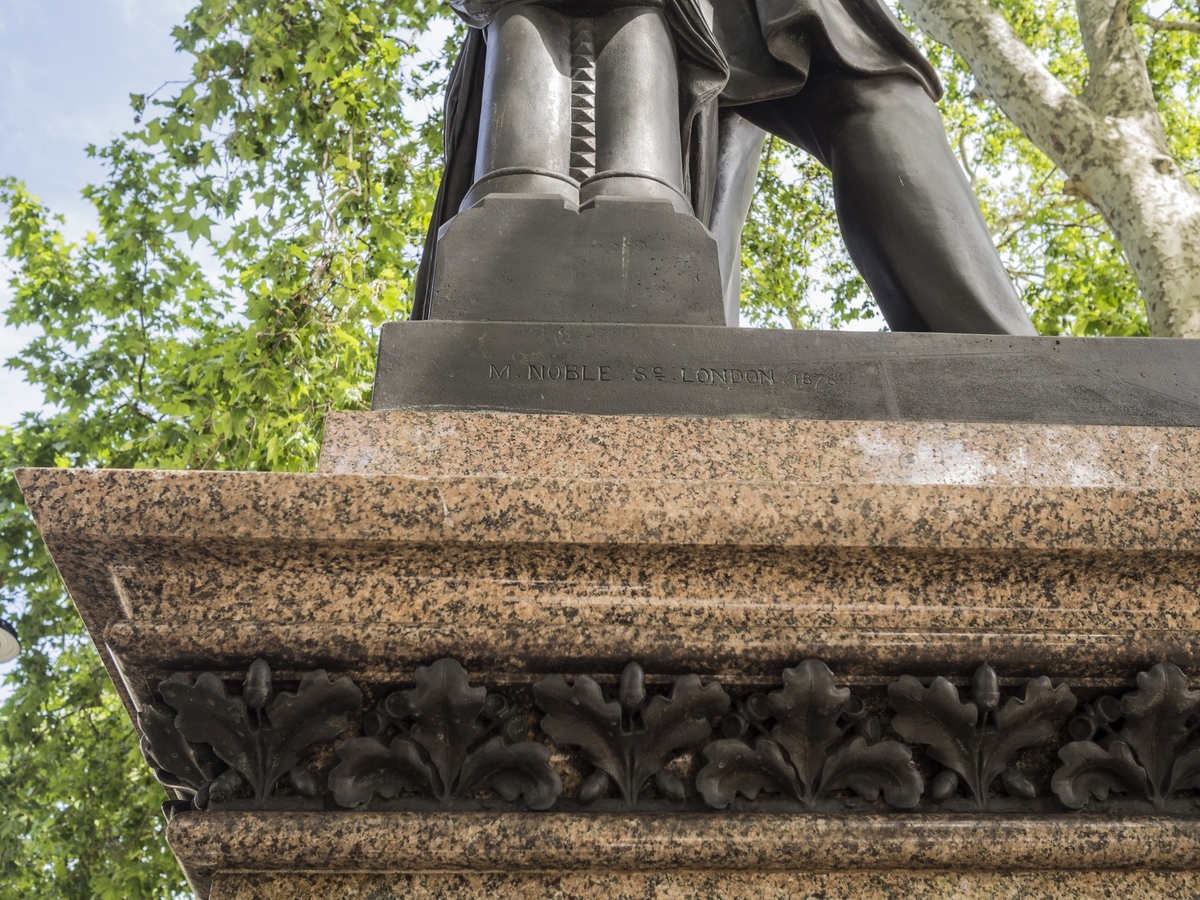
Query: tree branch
x=1118, y=83
x=1170, y=24
x=965, y=159
x=1057, y=121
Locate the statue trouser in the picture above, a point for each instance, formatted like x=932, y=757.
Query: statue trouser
x=578, y=207
x=580, y=106
x=907, y=213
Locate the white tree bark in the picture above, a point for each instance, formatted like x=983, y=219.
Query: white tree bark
x=1109, y=141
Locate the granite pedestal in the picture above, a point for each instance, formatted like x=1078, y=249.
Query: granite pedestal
x=529, y=547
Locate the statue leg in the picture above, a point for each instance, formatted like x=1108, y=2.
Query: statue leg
x=738, y=152
x=906, y=210
x=525, y=127
x=637, y=136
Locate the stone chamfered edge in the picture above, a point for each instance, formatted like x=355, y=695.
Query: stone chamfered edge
x=787, y=852
x=862, y=884
x=375, y=654
x=466, y=842
x=178, y=508
x=616, y=369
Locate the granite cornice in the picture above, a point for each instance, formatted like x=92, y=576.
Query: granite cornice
x=112, y=507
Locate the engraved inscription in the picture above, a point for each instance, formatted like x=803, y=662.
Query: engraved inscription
x=649, y=373
x=658, y=373
x=569, y=372
x=726, y=376
x=812, y=379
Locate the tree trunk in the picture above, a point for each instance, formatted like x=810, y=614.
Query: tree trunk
x=1154, y=213
x=1110, y=142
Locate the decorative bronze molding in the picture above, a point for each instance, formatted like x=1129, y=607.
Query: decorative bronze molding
x=810, y=742
x=1145, y=746
x=978, y=741
x=259, y=735
x=188, y=769
x=446, y=740
x=629, y=740
x=822, y=740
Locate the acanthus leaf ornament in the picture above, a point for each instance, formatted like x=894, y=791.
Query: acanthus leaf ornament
x=631, y=739
x=178, y=764
x=262, y=736
x=444, y=739
x=818, y=744
x=978, y=740
x=809, y=741
x=1146, y=746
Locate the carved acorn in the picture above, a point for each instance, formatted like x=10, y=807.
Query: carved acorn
x=1017, y=784
x=495, y=707
x=593, y=788
x=1082, y=728
x=226, y=786
x=632, y=693
x=200, y=801
x=943, y=786
x=257, y=692
x=374, y=723
x=515, y=729
x=670, y=784
x=985, y=688
x=734, y=726
x=303, y=781
x=758, y=708
x=1107, y=710
x=1096, y=717
x=865, y=725
x=396, y=705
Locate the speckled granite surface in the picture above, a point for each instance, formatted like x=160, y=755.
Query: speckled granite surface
x=528, y=545
x=432, y=444
x=708, y=885
x=383, y=856
x=537, y=842
x=545, y=569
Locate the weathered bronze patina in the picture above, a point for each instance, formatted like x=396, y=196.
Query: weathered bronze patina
x=670, y=100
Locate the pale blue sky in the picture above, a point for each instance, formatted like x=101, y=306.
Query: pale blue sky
x=67, y=68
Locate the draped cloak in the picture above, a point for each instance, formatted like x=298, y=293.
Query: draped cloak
x=731, y=53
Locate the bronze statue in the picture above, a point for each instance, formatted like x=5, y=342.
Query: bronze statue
x=670, y=100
